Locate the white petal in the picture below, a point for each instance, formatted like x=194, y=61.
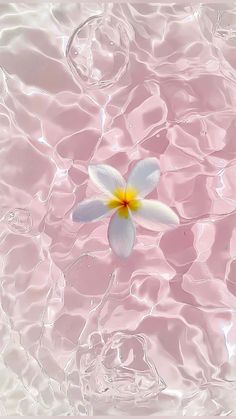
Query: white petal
x=155, y=215
x=144, y=176
x=106, y=178
x=90, y=210
x=121, y=235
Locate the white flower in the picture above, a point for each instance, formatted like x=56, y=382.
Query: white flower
x=124, y=201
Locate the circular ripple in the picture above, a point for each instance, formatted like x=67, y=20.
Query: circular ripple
x=98, y=51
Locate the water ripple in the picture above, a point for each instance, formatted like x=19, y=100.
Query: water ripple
x=81, y=332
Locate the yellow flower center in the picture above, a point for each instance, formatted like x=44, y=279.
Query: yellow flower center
x=124, y=200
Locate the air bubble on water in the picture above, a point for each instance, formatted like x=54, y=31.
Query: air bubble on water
x=123, y=371
x=19, y=220
x=226, y=25
x=107, y=41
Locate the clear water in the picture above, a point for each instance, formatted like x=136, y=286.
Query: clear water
x=82, y=332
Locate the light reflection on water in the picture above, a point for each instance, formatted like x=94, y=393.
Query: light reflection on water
x=82, y=332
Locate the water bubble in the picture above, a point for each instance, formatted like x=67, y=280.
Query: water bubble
x=19, y=220
x=89, y=275
x=226, y=25
x=217, y=22
x=122, y=372
x=98, y=51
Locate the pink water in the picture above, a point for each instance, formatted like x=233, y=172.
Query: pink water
x=83, y=332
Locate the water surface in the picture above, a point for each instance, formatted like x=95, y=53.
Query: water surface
x=83, y=332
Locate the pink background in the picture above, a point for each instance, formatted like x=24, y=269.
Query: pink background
x=170, y=92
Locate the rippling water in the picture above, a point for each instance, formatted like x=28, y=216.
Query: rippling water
x=81, y=331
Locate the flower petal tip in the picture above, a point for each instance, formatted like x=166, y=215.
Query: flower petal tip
x=155, y=215
x=144, y=176
x=175, y=220
x=121, y=235
x=90, y=210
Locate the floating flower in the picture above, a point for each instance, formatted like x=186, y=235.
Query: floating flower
x=124, y=201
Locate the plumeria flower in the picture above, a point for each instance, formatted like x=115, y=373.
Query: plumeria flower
x=124, y=202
